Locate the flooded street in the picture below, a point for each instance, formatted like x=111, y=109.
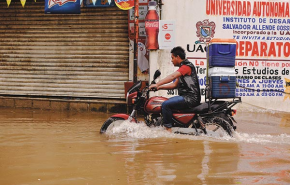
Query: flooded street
x=65, y=148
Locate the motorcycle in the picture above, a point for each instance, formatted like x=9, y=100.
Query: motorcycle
x=211, y=116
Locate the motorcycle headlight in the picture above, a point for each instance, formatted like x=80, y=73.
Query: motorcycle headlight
x=131, y=98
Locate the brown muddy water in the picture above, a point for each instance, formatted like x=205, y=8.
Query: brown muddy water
x=65, y=148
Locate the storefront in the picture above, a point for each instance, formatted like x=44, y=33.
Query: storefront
x=63, y=55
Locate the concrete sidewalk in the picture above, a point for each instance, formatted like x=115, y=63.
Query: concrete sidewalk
x=65, y=104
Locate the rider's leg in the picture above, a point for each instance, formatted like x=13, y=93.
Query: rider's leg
x=174, y=103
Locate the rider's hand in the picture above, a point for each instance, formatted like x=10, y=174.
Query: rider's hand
x=153, y=87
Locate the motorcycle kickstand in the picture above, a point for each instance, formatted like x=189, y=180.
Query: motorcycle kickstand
x=197, y=133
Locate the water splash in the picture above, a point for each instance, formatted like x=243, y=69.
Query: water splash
x=140, y=131
x=262, y=138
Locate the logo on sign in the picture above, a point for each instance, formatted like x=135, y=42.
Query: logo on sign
x=165, y=26
x=205, y=30
x=149, y=24
x=167, y=36
x=51, y=3
x=125, y=4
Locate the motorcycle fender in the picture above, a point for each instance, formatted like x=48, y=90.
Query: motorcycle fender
x=124, y=116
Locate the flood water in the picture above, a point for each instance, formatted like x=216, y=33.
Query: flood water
x=65, y=148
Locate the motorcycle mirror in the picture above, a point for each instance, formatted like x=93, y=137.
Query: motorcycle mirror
x=156, y=74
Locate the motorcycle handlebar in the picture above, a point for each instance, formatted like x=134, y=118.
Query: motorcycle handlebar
x=153, y=89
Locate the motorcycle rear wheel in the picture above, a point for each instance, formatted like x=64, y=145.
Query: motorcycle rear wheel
x=110, y=123
x=227, y=118
x=217, y=123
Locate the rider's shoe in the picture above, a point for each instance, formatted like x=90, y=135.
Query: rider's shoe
x=168, y=129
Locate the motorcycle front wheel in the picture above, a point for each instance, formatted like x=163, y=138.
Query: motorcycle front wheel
x=110, y=123
x=217, y=124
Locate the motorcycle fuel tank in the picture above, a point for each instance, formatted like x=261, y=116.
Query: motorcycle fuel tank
x=153, y=105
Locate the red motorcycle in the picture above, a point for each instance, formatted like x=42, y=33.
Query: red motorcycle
x=211, y=116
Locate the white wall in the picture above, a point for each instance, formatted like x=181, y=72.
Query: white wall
x=186, y=14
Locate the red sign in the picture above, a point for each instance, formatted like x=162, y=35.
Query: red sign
x=125, y=4
x=167, y=36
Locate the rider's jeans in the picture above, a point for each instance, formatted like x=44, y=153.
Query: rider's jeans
x=174, y=103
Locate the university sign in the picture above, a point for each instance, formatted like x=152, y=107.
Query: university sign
x=205, y=30
x=262, y=31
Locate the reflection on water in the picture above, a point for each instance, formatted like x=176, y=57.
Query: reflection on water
x=46, y=147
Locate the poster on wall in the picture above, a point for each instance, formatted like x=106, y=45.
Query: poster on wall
x=261, y=29
x=143, y=9
x=142, y=33
x=166, y=37
x=62, y=7
x=143, y=52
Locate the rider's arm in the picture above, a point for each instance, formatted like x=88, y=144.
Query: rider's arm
x=169, y=85
x=168, y=79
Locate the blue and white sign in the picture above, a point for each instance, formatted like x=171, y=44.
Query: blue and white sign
x=99, y=3
x=62, y=7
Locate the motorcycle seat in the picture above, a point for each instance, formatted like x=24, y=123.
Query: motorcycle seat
x=204, y=108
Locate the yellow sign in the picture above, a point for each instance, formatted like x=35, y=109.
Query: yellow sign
x=23, y=2
x=8, y=2
x=125, y=4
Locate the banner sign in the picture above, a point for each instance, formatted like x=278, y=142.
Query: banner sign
x=62, y=7
x=125, y=4
x=166, y=34
x=261, y=29
x=99, y=3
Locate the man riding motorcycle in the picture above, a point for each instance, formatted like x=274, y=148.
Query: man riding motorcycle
x=186, y=80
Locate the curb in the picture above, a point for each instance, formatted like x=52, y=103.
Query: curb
x=65, y=104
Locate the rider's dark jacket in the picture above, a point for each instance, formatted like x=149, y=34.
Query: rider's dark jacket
x=188, y=86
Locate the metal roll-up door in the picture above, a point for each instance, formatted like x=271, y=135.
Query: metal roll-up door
x=82, y=55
